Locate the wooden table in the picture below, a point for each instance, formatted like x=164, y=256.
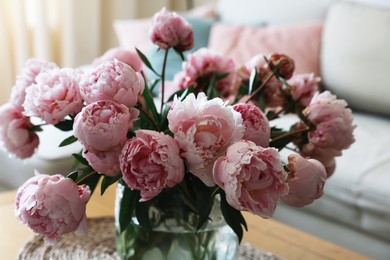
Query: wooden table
x=269, y=235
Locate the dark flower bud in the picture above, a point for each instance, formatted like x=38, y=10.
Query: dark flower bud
x=283, y=64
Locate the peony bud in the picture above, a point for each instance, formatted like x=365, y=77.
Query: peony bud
x=169, y=30
x=283, y=64
x=307, y=179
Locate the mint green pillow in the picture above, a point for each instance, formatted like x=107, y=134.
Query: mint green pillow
x=201, y=29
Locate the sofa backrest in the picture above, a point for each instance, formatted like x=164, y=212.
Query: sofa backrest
x=271, y=12
x=355, y=55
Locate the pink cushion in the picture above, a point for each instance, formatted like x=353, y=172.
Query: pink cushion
x=301, y=42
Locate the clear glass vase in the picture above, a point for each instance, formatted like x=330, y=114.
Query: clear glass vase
x=173, y=234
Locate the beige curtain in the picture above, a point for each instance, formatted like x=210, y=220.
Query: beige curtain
x=67, y=32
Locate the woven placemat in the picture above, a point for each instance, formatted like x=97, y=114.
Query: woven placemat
x=100, y=244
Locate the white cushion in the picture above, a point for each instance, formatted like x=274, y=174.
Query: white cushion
x=355, y=55
x=257, y=12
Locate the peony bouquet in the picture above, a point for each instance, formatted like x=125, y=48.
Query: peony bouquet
x=210, y=131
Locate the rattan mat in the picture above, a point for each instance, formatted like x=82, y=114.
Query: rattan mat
x=100, y=244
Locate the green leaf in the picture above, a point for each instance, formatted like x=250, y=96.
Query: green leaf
x=154, y=84
x=233, y=217
x=281, y=141
x=65, y=125
x=73, y=175
x=92, y=181
x=276, y=131
x=221, y=76
x=80, y=158
x=142, y=213
x=107, y=182
x=181, y=55
x=211, y=91
x=150, y=105
x=272, y=115
x=146, y=61
x=164, y=118
x=126, y=207
x=88, y=177
x=70, y=140
x=253, y=81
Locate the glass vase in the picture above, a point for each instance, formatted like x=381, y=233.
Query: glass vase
x=173, y=234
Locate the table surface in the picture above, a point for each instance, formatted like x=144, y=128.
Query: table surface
x=266, y=234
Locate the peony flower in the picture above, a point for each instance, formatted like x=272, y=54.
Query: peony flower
x=52, y=206
x=106, y=163
x=112, y=80
x=256, y=124
x=169, y=30
x=103, y=125
x=333, y=121
x=204, y=129
x=252, y=177
x=306, y=181
x=325, y=155
x=150, y=162
x=130, y=57
x=31, y=69
x=202, y=65
x=303, y=87
x=54, y=96
x=283, y=64
x=15, y=134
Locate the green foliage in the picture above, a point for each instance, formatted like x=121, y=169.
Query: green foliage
x=70, y=140
x=126, y=206
x=107, y=182
x=233, y=217
x=146, y=61
x=66, y=125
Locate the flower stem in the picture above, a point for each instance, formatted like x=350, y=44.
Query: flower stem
x=163, y=79
x=85, y=177
x=292, y=133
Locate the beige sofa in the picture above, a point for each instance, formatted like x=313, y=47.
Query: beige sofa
x=354, y=63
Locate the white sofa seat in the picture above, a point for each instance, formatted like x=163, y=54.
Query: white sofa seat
x=355, y=208
x=49, y=159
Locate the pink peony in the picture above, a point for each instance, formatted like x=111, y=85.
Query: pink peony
x=204, y=129
x=106, y=163
x=32, y=68
x=306, y=181
x=169, y=30
x=103, y=125
x=325, y=155
x=15, y=134
x=333, y=121
x=130, y=57
x=203, y=64
x=303, y=87
x=54, y=96
x=150, y=162
x=252, y=177
x=112, y=80
x=256, y=124
x=52, y=206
